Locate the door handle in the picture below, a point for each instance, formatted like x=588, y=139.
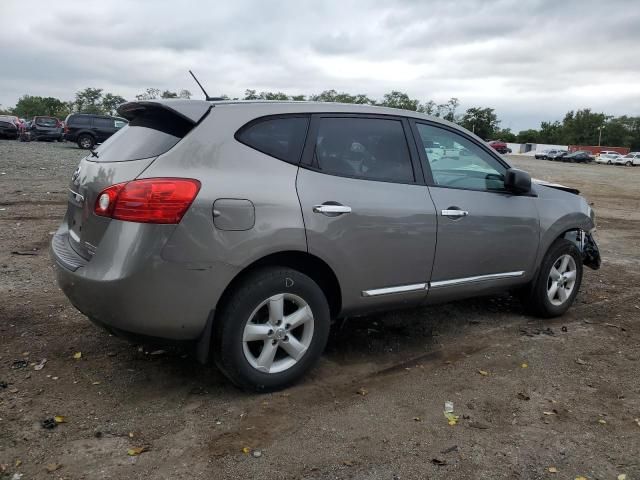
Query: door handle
x=454, y=212
x=331, y=210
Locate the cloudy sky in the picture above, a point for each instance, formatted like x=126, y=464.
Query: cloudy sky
x=531, y=60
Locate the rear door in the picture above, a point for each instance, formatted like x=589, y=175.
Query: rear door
x=366, y=209
x=487, y=236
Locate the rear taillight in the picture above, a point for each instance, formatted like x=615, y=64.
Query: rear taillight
x=151, y=200
x=66, y=128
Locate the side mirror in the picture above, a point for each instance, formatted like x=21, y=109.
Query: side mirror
x=517, y=181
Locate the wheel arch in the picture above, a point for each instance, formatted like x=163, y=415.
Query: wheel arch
x=312, y=266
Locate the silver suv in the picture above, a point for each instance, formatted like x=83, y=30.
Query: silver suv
x=246, y=227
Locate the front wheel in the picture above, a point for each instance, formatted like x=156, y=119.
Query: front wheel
x=558, y=281
x=271, y=330
x=628, y=164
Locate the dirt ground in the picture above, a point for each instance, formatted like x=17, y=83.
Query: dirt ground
x=563, y=395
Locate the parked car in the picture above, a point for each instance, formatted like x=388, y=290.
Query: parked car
x=8, y=127
x=46, y=128
x=576, y=157
x=547, y=154
x=557, y=155
x=246, y=227
x=631, y=159
x=87, y=130
x=500, y=147
x=609, y=158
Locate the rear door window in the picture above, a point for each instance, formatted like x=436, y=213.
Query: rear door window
x=103, y=122
x=367, y=148
x=80, y=121
x=279, y=137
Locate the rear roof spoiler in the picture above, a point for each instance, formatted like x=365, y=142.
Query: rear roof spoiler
x=191, y=110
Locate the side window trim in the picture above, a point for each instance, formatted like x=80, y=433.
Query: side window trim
x=266, y=118
x=424, y=161
x=308, y=161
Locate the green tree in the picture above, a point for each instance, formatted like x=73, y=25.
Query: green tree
x=89, y=100
x=397, y=99
x=184, y=93
x=551, y=133
x=482, y=121
x=341, y=97
x=528, y=136
x=448, y=110
x=581, y=127
x=250, y=95
x=168, y=94
x=29, y=106
x=430, y=108
x=506, y=135
x=149, y=94
x=111, y=102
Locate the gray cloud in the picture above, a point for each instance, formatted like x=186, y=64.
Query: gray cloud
x=531, y=60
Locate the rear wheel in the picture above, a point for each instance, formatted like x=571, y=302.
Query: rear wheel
x=609, y=162
x=554, y=290
x=86, y=141
x=272, y=329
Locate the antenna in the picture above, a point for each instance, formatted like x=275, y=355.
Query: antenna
x=206, y=95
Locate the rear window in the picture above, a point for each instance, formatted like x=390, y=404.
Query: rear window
x=46, y=121
x=151, y=133
x=279, y=137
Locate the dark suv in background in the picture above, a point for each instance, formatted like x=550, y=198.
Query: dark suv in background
x=88, y=129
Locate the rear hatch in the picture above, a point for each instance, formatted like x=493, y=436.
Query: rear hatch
x=47, y=125
x=153, y=129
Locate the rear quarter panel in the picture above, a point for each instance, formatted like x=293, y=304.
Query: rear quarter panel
x=228, y=169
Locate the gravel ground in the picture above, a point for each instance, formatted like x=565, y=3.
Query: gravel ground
x=561, y=395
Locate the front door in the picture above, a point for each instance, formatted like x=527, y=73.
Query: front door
x=487, y=236
x=365, y=211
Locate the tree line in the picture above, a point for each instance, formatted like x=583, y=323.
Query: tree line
x=581, y=127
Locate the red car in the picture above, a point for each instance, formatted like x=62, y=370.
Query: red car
x=499, y=146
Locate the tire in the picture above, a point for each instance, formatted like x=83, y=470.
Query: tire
x=609, y=162
x=86, y=142
x=629, y=164
x=538, y=296
x=256, y=301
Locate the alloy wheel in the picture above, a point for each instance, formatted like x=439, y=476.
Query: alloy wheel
x=561, y=280
x=278, y=333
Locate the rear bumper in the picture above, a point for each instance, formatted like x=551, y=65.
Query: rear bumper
x=128, y=288
x=47, y=134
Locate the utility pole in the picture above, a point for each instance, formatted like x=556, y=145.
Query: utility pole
x=600, y=134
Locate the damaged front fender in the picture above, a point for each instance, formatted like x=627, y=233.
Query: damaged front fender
x=588, y=247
